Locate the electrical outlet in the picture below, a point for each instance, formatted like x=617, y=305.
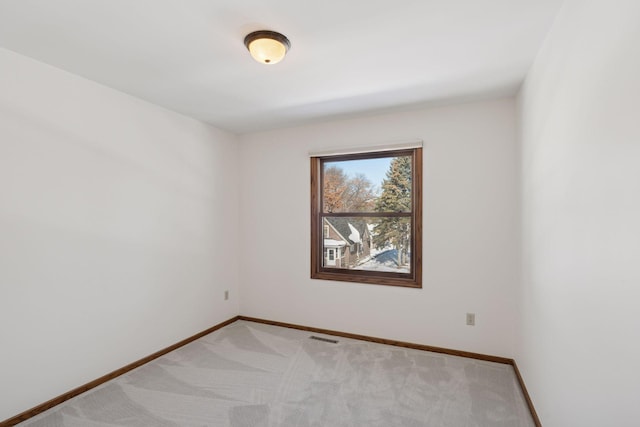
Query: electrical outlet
x=226, y=295
x=471, y=319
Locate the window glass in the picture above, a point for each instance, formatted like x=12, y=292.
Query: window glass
x=366, y=208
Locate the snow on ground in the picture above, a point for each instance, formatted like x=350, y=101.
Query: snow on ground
x=385, y=260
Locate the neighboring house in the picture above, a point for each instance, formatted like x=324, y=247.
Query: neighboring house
x=346, y=242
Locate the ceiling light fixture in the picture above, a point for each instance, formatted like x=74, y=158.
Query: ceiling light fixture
x=267, y=47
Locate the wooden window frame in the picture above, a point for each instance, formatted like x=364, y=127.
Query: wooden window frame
x=318, y=271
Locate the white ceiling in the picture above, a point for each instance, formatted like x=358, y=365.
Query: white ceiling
x=348, y=57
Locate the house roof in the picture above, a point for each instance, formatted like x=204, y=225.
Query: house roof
x=331, y=243
x=341, y=224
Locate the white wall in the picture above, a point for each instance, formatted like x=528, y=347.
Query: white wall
x=470, y=230
x=580, y=114
x=118, y=230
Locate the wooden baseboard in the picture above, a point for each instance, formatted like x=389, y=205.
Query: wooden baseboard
x=79, y=390
x=414, y=346
x=532, y=409
x=88, y=386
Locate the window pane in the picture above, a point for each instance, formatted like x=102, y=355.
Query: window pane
x=364, y=209
x=367, y=185
x=368, y=243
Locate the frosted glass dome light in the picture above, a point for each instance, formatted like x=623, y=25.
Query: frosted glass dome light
x=267, y=47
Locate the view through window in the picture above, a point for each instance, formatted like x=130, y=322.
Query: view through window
x=365, y=213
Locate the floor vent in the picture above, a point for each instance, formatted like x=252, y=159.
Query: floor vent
x=313, y=337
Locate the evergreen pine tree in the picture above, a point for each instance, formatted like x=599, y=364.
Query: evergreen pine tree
x=395, y=197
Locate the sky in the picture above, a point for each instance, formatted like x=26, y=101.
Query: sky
x=374, y=169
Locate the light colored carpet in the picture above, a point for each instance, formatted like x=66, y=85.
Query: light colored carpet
x=251, y=374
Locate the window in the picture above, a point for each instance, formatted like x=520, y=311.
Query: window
x=372, y=205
